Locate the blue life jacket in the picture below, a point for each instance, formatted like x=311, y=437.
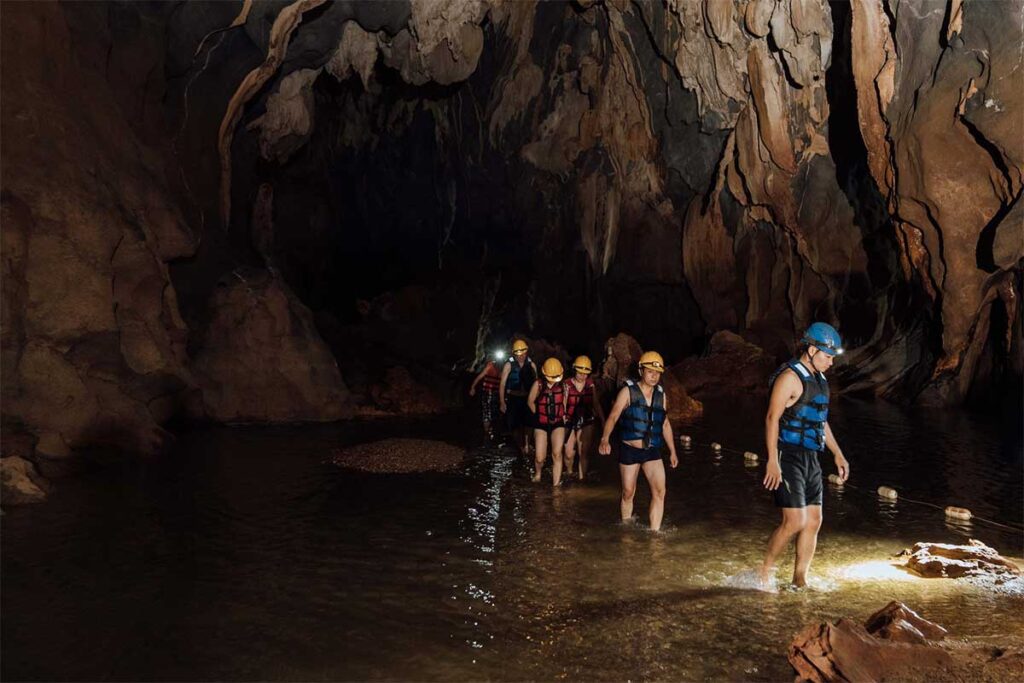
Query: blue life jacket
x=803, y=423
x=520, y=379
x=641, y=421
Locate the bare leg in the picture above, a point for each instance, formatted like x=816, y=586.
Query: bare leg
x=654, y=470
x=793, y=520
x=629, y=474
x=586, y=440
x=540, y=440
x=806, y=542
x=557, y=448
x=571, y=443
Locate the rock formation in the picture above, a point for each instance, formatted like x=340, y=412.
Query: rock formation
x=674, y=170
x=934, y=560
x=895, y=644
x=260, y=358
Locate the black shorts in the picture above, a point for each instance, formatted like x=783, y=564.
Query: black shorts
x=631, y=455
x=547, y=429
x=517, y=413
x=801, y=479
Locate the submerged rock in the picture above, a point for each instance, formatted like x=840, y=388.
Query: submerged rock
x=400, y=455
x=944, y=560
x=896, y=644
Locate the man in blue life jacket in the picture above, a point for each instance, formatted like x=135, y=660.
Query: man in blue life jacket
x=643, y=407
x=796, y=432
x=517, y=377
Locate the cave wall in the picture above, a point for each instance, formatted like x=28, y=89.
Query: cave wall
x=426, y=176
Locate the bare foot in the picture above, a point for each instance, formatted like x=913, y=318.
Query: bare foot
x=800, y=582
x=535, y=478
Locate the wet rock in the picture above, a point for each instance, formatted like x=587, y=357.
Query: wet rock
x=261, y=359
x=943, y=560
x=732, y=365
x=399, y=393
x=899, y=623
x=21, y=483
x=897, y=644
x=400, y=456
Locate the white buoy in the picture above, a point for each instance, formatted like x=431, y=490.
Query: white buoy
x=715, y=446
x=750, y=456
x=835, y=479
x=887, y=492
x=959, y=513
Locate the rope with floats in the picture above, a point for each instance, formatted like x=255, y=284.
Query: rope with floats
x=958, y=513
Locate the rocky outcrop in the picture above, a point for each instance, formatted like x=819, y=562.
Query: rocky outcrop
x=732, y=365
x=21, y=483
x=936, y=113
x=943, y=560
x=896, y=644
x=260, y=358
x=93, y=345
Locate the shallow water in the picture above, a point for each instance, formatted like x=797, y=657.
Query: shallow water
x=245, y=555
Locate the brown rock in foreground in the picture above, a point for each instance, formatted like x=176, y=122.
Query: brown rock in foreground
x=401, y=456
x=899, y=623
x=943, y=560
x=261, y=358
x=732, y=364
x=846, y=651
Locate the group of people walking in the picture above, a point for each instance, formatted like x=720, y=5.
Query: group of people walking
x=561, y=415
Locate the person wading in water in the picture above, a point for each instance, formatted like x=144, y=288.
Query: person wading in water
x=580, y=408
x=517, y=376
x=489, y=381
x=796, y=432
x=643, y=408
x=547, y=403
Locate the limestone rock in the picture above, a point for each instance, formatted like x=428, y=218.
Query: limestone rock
x=900, y=646
x=622, y=353
x=935, y=560
x=261, y=358
x=733, y=365
x=93, y=345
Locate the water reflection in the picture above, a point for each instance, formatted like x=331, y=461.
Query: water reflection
x=244, y=556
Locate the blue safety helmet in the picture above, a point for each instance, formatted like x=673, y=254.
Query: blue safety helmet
x=825, y=337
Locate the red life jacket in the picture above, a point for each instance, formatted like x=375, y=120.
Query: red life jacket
x=580, y=401
x=550, y=404
x=492, y=378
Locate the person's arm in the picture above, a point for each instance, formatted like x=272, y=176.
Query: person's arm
x=841, y=464
x=479, y=378
x=501, y=388
x=621, y=401
x=666, y=429
x=565, y=403
x=787, y=387
x=531, y=400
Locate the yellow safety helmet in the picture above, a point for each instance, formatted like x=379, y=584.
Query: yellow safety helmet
x=652, y=360
x=519, y=347
x=582, y=364
x=552, y=370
